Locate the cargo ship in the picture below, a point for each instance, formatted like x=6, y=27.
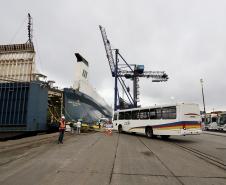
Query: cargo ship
x=82, y=101
x=31, y=103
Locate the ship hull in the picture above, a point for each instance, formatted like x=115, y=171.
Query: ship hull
x=78, y=105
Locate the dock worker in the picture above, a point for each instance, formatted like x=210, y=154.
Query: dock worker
x=62, y=127
x=78, y=127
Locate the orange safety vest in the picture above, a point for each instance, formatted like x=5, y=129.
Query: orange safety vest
x=62, y=125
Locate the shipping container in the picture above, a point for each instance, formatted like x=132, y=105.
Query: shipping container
x=23, y=106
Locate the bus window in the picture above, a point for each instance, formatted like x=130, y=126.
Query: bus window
x=169, y=113
x=115, y=116
x=222, y=120
x=172, y=112
x=135, y=114
x=128, y=115
x=121, y=115
x=144, y=114
x=208, y=120
x=152, y=114
x=214, y=119
x=158, y=113
x=165, y=113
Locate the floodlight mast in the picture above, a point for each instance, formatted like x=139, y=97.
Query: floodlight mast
x=133, y=72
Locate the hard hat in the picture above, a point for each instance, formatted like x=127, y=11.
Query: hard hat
x=63, y=117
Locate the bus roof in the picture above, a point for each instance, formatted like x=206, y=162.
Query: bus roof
x=156, y=106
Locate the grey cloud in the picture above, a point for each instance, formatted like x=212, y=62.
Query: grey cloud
x=184, y=38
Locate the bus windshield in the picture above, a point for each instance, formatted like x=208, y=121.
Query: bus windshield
x=222, y=120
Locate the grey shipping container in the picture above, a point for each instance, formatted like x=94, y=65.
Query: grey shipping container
x=23, y=106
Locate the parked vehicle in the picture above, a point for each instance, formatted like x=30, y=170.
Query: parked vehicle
x=211, y=122
x=222, y=121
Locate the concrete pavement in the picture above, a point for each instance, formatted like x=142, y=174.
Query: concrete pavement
x=96, y=159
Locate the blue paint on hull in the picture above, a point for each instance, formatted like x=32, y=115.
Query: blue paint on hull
x=81, y=106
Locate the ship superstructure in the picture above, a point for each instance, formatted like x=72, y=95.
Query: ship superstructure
x=83, y=102
x=81, y=82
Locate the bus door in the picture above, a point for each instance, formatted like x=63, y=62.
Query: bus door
x=123, y=121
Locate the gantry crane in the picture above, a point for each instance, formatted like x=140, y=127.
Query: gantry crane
x=127, y=71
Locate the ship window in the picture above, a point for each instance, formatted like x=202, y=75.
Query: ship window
x=128, y=115
x=121, y=115
x=144, y=114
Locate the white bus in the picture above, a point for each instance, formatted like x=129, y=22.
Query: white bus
x=222, y=121
x=212, y=119
x=175, y=119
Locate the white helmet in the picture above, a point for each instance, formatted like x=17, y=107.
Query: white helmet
x=63, y=117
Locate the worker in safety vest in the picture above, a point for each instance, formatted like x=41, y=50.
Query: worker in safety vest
x=62, y=127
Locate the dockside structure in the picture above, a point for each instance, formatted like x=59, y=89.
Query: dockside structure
x=23, y=97
x=30, y=104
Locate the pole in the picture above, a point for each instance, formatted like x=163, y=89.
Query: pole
x=135, y=81
x=116, y=80
x=203, y=100
x=30, y=29
x=62, y=105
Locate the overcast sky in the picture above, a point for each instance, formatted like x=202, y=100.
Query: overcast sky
x=185, y=38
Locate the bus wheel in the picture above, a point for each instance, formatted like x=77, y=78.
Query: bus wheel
x=120, y=129
x=149, y=132
x=165, y=136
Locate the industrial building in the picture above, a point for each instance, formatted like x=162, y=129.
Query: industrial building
x=27, y=101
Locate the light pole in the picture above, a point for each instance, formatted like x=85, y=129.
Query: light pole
x=203, y=99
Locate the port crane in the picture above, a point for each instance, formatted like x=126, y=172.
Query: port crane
x=121, y=70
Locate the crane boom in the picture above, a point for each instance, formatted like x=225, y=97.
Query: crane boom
x=156, y=75
x=127, y=71
x=108, y=49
